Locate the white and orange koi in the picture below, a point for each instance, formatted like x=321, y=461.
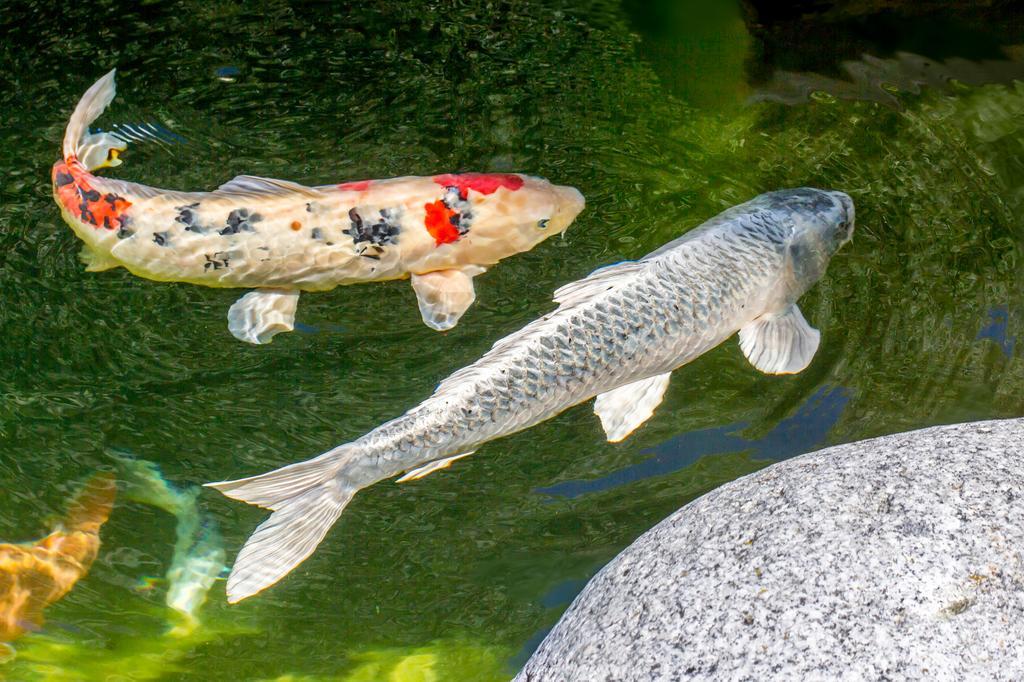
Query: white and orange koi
x=280, y=238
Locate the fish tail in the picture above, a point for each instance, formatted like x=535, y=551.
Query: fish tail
x=90, y=507
x=306, y=498
x=93, y=150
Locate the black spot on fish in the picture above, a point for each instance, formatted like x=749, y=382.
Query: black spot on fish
x=456, y=200
x=63, y=179
x=188, y=217
x=316, y=233
x=216, y=261
x=162, y=238
x=89, y=194
x=240, y=220
x=543, y=223
x=384, y=231
x=309, y=207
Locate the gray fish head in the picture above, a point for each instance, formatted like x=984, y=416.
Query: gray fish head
x=822, y=221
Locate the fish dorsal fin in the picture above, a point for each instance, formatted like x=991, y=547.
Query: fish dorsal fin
x=596, y=282
x=622, y=410
x=133, y=191
x=252, y=185
x=781, y=342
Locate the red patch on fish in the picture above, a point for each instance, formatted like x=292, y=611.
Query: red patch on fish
x=485, y=183
x=76, y=194
x=355, y=186
x=439, y=223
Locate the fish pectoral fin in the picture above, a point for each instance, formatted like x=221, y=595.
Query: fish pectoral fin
x=624, y=409
x=431, y=467
x=260, y=314
x=780, y=343
x=444, y=295
x=96, y=261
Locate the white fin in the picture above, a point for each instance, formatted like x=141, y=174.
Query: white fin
x=624, y=409
x=89, y=108
x=95, y=261
x=146, y=132
x=254, y=186
x=286, y=539
x=444, y=295
x=260, y=314
x=100, y=150
x=431, y=467
x=596, y=282
x=780, y=343
x=307, y=499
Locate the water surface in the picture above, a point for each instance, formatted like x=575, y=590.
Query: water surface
x=662, y=117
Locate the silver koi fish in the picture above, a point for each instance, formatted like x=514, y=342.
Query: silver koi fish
x=616, y=335
x=280, y=238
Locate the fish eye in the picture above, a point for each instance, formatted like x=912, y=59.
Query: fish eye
x=543, y=223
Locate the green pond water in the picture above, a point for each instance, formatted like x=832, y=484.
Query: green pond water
x=662, y=114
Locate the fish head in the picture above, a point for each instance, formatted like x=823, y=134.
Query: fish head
x=515, y=214
x=821, y=222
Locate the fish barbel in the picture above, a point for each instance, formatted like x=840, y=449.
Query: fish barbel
x=616, y=335
x=280, y=238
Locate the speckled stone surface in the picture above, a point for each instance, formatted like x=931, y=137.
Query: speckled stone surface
x=893, y=558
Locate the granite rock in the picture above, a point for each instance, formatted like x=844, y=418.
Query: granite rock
x=893, y=558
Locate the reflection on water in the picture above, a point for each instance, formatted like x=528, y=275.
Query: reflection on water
x=996, y=330
x=883, y=80
x=448, y=577
x=805, y=431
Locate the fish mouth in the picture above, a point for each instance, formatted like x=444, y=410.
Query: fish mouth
x=570, y=204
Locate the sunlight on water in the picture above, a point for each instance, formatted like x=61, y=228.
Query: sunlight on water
x=661, y=113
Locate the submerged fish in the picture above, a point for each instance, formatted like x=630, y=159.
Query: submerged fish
x=198, y=559
x=616, y=334
x=281, y=238
x=34, y=575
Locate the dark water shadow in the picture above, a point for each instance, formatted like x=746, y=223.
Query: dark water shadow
x=803, y=432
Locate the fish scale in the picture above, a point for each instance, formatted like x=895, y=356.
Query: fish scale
x=615, y=335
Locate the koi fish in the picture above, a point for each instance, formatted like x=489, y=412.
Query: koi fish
x=616, y=335
x=34, y=575
x=280, y=238
x=198, y=558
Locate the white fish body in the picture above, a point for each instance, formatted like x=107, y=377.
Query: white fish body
x=616, y=335
x=280, y=238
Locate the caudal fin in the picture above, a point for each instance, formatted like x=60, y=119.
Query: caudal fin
x=307, y=498
x=93, y=150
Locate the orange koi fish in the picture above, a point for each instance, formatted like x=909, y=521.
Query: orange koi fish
x=280, y=238
x=34, y=575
